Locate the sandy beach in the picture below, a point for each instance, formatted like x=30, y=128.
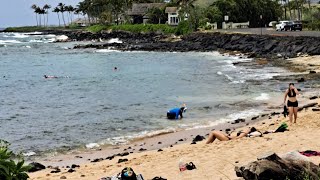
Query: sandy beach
x=213, y=161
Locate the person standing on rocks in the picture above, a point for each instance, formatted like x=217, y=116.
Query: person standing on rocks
x=292, y=103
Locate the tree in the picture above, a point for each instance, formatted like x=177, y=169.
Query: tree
x=46, y=8
x=57, y=10
x=157, y=16
x=70, y=9
x=62, y=10
x=34, y=7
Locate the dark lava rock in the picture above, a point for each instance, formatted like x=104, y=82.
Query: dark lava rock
x=110, y=157
x=34, y=166
x=82, y=175
x=171, y=145
x=198, y=138
x=315, y=109
x=301, y=80
x=313, y=97
x=78, y=157
x=194, y=142
x=123, y=154
x=63, y=177
x=228, y=129
x=160, y=150
x=254, y=118
x=122, y=160
x=71, y=170
x=56, y=171
x=309, y=105
x=75, y=166
x=180, y=140
x=141, y=149
x=275, y=113
x=299, y=89
x=97, y=160
x=312, y=72
x=159, y=142
x=129, y=147
x=274, y=167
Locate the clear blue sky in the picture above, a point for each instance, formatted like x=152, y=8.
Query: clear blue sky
x=19, y=13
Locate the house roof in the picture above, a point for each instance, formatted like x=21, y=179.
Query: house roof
x=142, y=8
x=171, y=9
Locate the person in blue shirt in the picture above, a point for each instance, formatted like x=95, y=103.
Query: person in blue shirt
x=176, y=112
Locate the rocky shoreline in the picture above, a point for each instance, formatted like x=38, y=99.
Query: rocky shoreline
x=255, y=46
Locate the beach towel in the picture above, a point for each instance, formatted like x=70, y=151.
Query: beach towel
x=310, y=153
x=283, y=127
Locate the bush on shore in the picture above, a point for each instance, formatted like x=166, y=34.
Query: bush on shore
x=10, y=168
x=135, y=28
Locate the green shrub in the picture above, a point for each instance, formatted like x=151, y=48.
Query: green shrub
x=9, y=169
x=96, y=28
x=183, y=28
x=145, y=28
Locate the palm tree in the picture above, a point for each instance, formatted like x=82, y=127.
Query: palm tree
x=62, y=10
x=38, y=10
x=43, y=12
x=46, y=7
x=34, y=7
x=70, y=9
x=57, y=10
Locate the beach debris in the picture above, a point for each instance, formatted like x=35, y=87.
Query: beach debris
x=315, y=109
x=122, y=160
x=271, y=166
x=36, y=167
x=63, y=177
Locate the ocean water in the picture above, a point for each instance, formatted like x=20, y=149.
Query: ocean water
x=90, y=102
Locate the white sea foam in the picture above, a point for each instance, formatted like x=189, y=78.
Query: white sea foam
x=219, y=73
x=35, y=41
x=30, y=153
x=106, y=50
x=92, y=145
x=34, y=33
x=262, y=97
x=244, y=114
x=115, y=40
x=19, y=35
x=9, y=42
x=28, y=47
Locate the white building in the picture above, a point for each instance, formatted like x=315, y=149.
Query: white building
x=173, y=16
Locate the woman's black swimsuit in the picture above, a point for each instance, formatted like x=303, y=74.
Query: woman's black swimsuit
x=292, y=93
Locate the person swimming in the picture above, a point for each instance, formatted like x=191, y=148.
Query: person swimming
x=49, y=77
x=176, y=112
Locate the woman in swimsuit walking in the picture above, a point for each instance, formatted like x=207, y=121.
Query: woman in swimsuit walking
x=292, y=103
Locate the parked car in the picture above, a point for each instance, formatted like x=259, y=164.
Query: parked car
x=280, y=25
x=293, y=26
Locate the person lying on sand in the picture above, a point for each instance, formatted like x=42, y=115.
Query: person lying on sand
x=225, y=137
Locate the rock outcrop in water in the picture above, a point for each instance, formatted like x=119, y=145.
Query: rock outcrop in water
x=255, y=45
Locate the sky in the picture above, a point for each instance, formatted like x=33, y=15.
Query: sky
x=19, y=13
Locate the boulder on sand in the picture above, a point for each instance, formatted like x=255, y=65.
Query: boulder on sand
x=272, y=166
x=34, y=166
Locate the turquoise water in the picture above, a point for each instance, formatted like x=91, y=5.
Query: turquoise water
x=89, y=102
